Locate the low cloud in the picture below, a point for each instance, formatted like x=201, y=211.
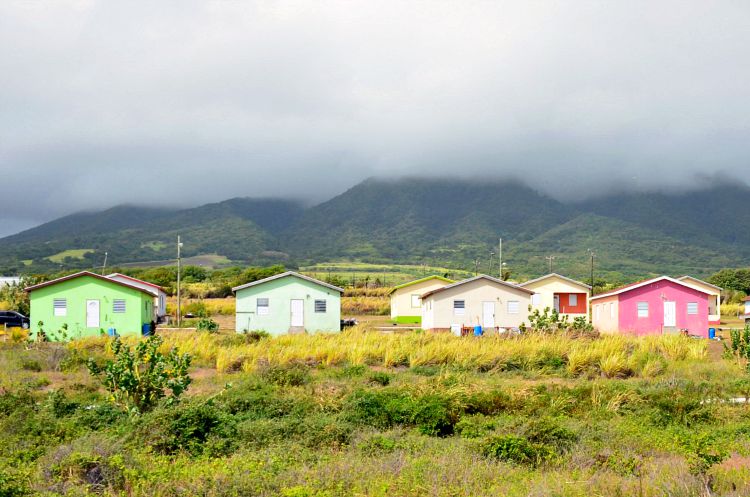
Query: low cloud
x=180, y=103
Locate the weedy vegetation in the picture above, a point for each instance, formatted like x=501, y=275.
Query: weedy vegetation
x=362, y=413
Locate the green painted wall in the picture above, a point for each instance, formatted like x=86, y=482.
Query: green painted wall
x=279, y=293
x=138, y=307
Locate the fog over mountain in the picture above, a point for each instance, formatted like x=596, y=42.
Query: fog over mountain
x=182, y=103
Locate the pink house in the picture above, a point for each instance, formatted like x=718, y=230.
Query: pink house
x=653, y=307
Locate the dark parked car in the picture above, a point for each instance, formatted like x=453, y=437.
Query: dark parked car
x=13, y=319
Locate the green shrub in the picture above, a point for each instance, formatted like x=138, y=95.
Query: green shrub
x=138, y=379
x=515, y=449
x=30, y=365
x=207, y=325
x=377, y=444
x=287, y=375
x=547, y=432
x=380, y=378
x=196, y=429
x=425, y=370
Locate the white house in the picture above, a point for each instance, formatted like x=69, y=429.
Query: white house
x=160, y=296
x=481, y=300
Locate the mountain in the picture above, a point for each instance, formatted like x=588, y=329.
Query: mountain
x=438, y=222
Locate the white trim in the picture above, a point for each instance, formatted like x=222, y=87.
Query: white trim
x=477, y=278
x=555, y=275
x=688, y=277
x=288, y=273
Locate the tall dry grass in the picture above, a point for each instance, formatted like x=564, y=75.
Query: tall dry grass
x=609, y=356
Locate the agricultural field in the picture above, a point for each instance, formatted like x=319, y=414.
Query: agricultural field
x=72, y=254
x=367, y=414
x=354, y=273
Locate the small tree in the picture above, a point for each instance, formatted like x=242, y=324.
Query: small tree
x=137, y=379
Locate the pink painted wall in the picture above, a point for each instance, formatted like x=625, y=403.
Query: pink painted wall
x=655, y=294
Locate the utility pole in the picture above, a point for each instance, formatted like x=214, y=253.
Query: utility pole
x=179, y=294
x=104, y=267
x=476, y=267
x=592, y=254
x=500, y=256
x=489, y=271
x=550, y=258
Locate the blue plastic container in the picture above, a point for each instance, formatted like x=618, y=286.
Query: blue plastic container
x=112, y=332
x=146, y=329
x=711, y=333
x=477, y=331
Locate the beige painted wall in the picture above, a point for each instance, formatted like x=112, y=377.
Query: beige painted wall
x=438, y=311
x=714, y=301
x=401, y=299
x=605, y=314
x=548, y=287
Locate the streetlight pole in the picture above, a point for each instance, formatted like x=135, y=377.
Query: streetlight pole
x=591, y=252
x=550, y=258
x=179, y=294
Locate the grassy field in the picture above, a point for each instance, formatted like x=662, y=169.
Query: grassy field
x=388, y=274
x=73, y=254
x=366, y=414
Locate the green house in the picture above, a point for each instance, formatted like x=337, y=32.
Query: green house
x=288, y=303
x=87, y=304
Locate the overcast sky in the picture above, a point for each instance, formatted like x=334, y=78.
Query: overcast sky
x=188, y=102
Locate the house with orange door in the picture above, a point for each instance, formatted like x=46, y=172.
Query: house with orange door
x=555, y=291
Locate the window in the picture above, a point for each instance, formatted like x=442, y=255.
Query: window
x=642, y=309
x=459, y=307
x=598, y=312
x=536, y=299
x=60, y=307
x=262, y=305
x=612, y=310
x=513, y=307
x=416, y=301
x=118, y=305
x=320, y=306
x=573, y=300
x=692, y=308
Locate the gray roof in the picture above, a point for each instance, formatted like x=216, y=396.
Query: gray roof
x=479, y=277
x=550, y=275
x=283, y=275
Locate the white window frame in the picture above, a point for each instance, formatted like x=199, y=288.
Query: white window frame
x=324, y=307
x=459, y=307
x=611, y=310
x=573, y=300
x=260, y=308
x=514, y=307
x=415, y=297
x=536, y=299
x=58, y=309
x=598, y=311
x=692, y=306
x=642, y=312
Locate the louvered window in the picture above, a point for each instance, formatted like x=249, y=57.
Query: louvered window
x=320, y=306
x=60, y=307
x=118, y=306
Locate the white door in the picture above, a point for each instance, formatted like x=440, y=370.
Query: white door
x=557, y=303
x=670, y=314
x=298, y=313
x=92, y=314
x=488, y=314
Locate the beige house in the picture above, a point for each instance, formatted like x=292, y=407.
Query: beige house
x=482, y=300
x=565, y=295
x=714, y=297
x=406, y=302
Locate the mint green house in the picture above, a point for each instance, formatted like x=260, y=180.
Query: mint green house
x=87, y=304
x=288, y=303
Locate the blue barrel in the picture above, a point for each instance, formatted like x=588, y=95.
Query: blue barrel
x=112, y=332
x=477, y=331
x=146, y=329
x=711, y=333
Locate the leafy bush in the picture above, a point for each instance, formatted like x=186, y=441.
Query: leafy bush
x=380, y=378
x=515, y=449
x=207, y=325
x=196, y=429
x=291, y=375
x=137, y=379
